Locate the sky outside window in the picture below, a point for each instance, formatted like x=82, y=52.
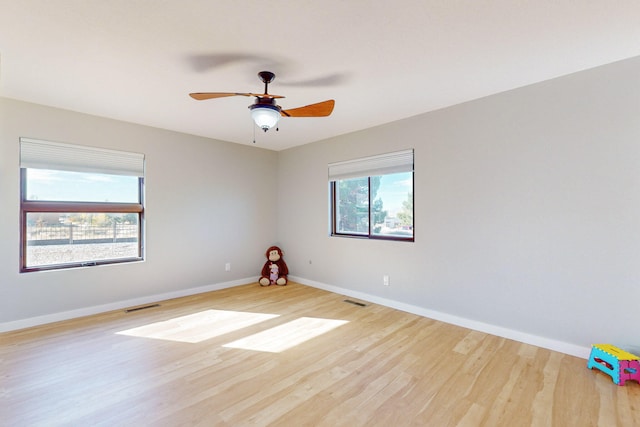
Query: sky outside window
x=394, y=189
x=54, y=185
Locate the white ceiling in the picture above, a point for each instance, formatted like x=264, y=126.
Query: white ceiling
x=137, y=60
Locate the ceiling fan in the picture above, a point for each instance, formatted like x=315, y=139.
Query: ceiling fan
x=265, y=112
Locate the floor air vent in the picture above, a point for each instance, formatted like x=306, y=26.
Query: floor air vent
x=130, y=310
x=355, y=303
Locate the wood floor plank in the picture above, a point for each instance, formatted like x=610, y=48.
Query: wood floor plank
x=183, y=364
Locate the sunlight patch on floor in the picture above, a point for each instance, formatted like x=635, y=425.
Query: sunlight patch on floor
x=288, y=335
x=197, y=327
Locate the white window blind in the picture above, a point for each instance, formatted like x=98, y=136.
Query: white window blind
x=77, y=158
x=383, y=164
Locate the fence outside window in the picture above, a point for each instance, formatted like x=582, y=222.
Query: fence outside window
x=39, y=235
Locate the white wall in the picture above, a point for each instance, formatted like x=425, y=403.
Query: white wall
x=207, y=203
x=527, y=213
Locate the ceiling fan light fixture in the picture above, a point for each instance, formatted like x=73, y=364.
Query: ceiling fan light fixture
x=265, y=116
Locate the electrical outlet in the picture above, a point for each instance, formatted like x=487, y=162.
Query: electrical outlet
x=227, y=267
x=385, y=280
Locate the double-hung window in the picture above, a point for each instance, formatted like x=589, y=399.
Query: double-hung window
x=79, y=206
x=372, y=197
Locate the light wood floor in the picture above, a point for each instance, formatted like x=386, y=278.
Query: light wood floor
x=221, y=359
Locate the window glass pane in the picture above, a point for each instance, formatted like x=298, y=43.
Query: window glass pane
x=392, y=207
x=60, y=238
x=352, y=206
x=58, y=186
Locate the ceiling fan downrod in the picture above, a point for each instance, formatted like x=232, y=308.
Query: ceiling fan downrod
x=266, y=77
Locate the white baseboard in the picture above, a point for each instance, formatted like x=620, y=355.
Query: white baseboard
x=119, y=305
x=551, y=344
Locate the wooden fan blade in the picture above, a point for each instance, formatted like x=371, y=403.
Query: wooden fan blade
x=201, y=96
x=321, y=109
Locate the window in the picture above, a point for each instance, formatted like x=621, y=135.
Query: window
x=372, y=197
x=79, y=206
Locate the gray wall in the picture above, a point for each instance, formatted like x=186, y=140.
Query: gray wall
x=527, y=213
x=207, y=203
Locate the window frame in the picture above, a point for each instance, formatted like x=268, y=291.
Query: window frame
x=41, y=206
x=364, y=165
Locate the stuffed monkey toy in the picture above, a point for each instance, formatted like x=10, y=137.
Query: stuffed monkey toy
x=275, y=270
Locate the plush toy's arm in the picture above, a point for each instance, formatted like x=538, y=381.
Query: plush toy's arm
x=265, y=269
